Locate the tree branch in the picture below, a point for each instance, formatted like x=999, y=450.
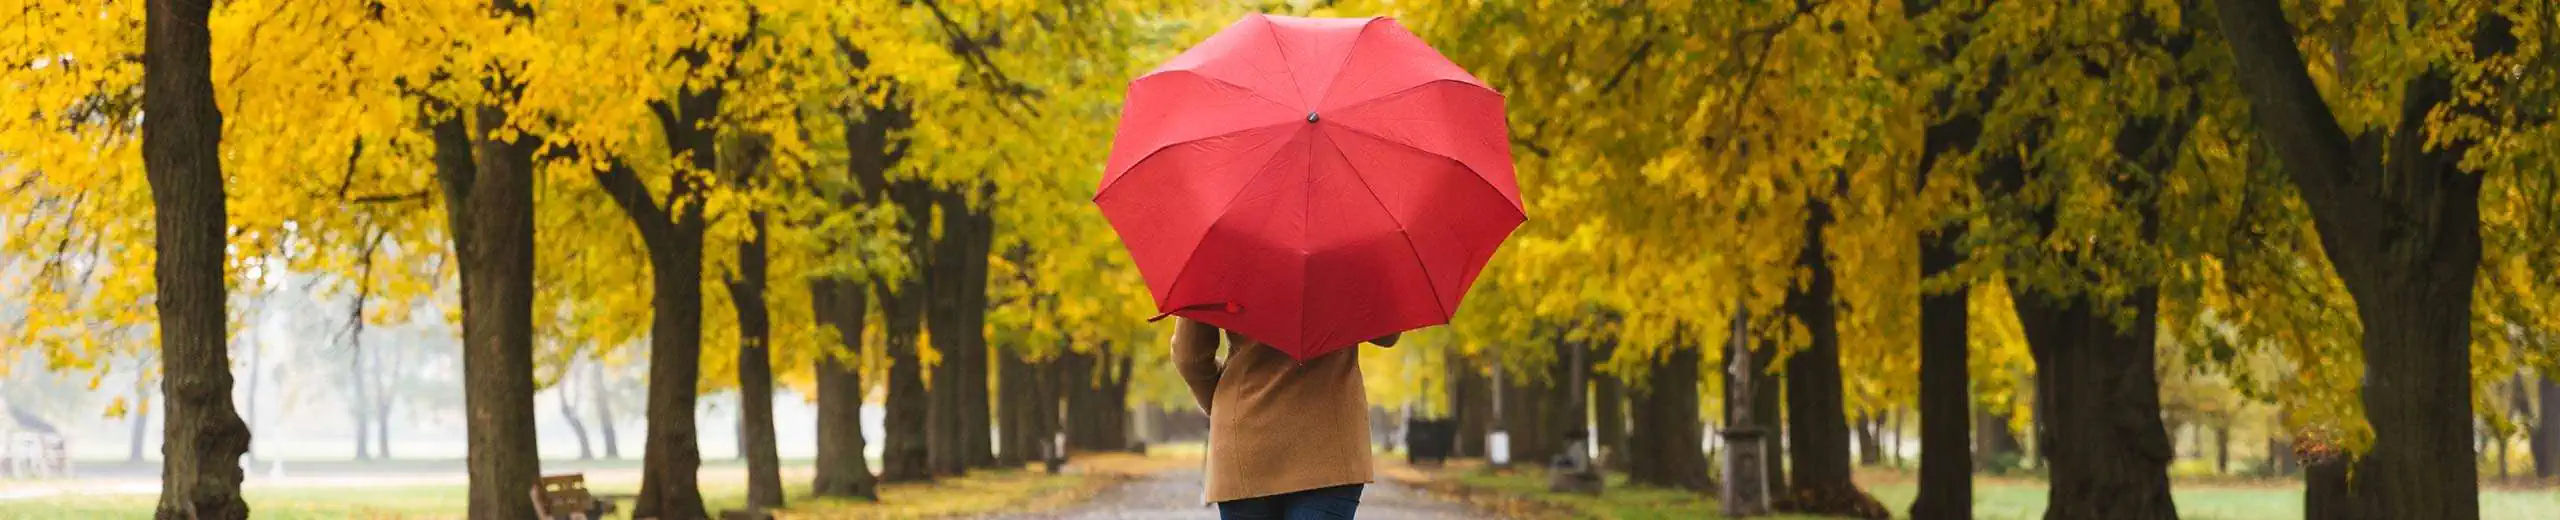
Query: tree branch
x=1642, y=50
x=391, y=198
x=633, y=197
x=976, y=53
x=2290, y=114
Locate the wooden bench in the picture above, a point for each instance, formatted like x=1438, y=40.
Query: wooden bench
x=565, y=497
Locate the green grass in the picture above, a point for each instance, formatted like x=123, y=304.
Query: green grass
x=1618, y=501
x=281, y=503
x=2005, y=499
x=981, y=492
x=1522, y=493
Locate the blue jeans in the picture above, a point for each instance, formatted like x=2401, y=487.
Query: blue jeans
x=1313, y=504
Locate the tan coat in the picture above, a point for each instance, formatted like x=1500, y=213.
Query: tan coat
x=1275, y=425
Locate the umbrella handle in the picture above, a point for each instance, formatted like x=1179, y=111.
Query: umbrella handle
x=1230, y=307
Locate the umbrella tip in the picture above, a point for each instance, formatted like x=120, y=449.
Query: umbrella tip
x=1311, y=117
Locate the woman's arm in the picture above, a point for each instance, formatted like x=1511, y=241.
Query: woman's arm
x=1195, y=355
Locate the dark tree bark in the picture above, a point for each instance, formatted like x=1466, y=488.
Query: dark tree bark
x=203, y=439
x=1608, y=411
x=906, y=455
x=1869, y=429
x=1097, y=401
x=1817, y=431
x=976, y=432
x=2400, y=220
x=1946, y=388
x=1014, y=415
x=1527, y=417
x=488, y=191
x=755, y=336
x=1765, y=407
x=1471, y=401
x=2325, y=493
x=2222, y=448
x=2108, y=451
x=1663, y=445
x=2546, y=432
x=1996, y=447
x=840, y=305
x=946, y=424
x=1047, y=408
x=672, y=233
x=872, y=147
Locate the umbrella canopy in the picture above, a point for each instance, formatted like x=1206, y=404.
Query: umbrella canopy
x=1311, y=182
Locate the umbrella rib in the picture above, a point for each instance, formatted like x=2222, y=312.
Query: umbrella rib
x=1274, y=32
x=1347, y=53
x=1357, y=175
x=1488, y=184
x=1221, y=82
x=1151, y=154
x=1222, y=213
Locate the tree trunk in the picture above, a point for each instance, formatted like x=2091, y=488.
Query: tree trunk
x=1817, y=428
x=673, y=235
x=182, y=158
x=1075, y=385
x=1663, y=446
x=1015, y=416
x=840, y=306
x=604, y=411
x=577, y=427
x=1471, y=401
x=1995, y=444
x=1768, y=415
x=1608, y=410
x=976, y=432
x=2546, y=433
x=1524, y=415
x=2325, y=481
x=361, y=409
x=2108, y=450
x=947, y=450
x=2222, y=448
x=1048, y=408
x=1870, y=440
x=2399, y=219
x=904, y=457
x=755, y=363
x=488, y=188
x=1116, y=406
x=672, y=453
x=1946, y=428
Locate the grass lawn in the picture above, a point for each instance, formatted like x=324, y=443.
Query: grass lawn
x=1522, y=493
x=723, y=487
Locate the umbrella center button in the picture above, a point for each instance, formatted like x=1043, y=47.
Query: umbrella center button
x=1311, y=117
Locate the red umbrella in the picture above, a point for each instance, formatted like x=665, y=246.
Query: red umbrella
x=1311, y=182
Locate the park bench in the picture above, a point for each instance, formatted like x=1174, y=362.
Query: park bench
x=565, y=497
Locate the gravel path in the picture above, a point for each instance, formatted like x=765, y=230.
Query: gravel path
x=1176, y=495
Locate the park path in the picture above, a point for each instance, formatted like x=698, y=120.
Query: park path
x=1176, y=495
